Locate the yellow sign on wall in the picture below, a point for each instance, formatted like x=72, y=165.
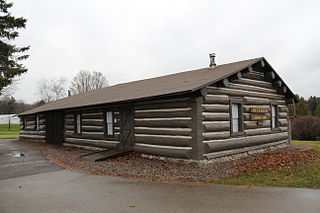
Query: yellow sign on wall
x=259, y=117
x=258, y=110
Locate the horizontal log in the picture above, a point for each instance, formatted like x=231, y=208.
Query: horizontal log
x=259, y=131
x=283, y=115
x=239, y=92
x=216, y=99
x=32, y=136
x=283, y=122
x=251, y=82
x=283, y=109
x=92, y=128
x=29, y=128
x=236, y=143
x=164, y=105
x=215, y=116
x=31, y=122
x=96, y=143
x=216, y=135
x=69, y=127
x=173, y=122
x=252, y=88
x=32, y=132
x=163, y=114
x=254, y=124
x=164, y=140
x=256, y=101
x=216, y=126
x=69, y=116
x=178, y=152
x=241, y=150
x=163, y=131
x=98, y=115
x=96, y=136
x=42, y=127
x=92, y=122
x=69, y=122
x=255, y=72
x=215, y=108
x=253, y=76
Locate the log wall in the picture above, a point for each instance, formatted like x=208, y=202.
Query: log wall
x=256, y=92
x=163, y=127
x=28, y=128
x=92, y=129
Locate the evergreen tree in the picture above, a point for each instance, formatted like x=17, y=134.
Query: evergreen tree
x=313, y=103
x=10, y=54
x=302, y=107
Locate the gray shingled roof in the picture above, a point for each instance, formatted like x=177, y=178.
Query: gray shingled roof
x=182, y=82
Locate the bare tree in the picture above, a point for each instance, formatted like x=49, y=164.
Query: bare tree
x=9, y=90
x=86, y=81
x=52, y=89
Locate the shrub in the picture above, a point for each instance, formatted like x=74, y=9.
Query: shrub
x=306, y=128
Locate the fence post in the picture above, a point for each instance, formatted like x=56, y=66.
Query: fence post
x=9, y=123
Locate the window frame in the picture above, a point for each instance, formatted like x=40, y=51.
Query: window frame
x=277, y=124
x=76, y=123
x=239, y=101
x=24, y=123
x=105, y=124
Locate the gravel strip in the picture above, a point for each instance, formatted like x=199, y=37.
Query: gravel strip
x=135, y=166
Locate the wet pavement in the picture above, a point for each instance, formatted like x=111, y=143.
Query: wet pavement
x=17, y=160
x=67, y=191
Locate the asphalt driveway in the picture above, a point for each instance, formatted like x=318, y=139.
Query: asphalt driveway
x=18, y=160
x=59, y=190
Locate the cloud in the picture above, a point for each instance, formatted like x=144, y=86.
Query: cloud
x=131, y=40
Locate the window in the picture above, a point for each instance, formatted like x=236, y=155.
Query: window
x=78, y=124
x=274, y=116
x=24, y=123
x=109, y=123
x=37, y=122
x=236, y=115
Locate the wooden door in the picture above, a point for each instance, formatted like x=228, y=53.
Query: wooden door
x=54, y=127
x=126, y=127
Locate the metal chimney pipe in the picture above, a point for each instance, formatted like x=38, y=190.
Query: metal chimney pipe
x=212, y=61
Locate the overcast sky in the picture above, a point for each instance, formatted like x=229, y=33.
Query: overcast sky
x=132, y=40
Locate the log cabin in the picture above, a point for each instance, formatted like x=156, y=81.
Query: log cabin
x=201, y=114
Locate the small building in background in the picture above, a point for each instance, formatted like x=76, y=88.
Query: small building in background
x=9, y=118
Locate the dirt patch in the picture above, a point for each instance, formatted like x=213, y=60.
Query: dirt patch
x=135, y=166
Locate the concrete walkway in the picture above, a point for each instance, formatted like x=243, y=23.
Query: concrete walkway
x=58, y=190
x=67, y=191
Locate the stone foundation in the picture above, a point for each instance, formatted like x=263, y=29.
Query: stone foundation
x=219, y=159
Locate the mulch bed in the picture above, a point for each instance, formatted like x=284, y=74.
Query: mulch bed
x=135, y=166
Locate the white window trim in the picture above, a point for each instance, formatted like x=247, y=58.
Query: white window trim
x=78, y=128
x=109, y=123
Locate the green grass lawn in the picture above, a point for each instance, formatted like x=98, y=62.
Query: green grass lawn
x=6, y=134
x=303, y=174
